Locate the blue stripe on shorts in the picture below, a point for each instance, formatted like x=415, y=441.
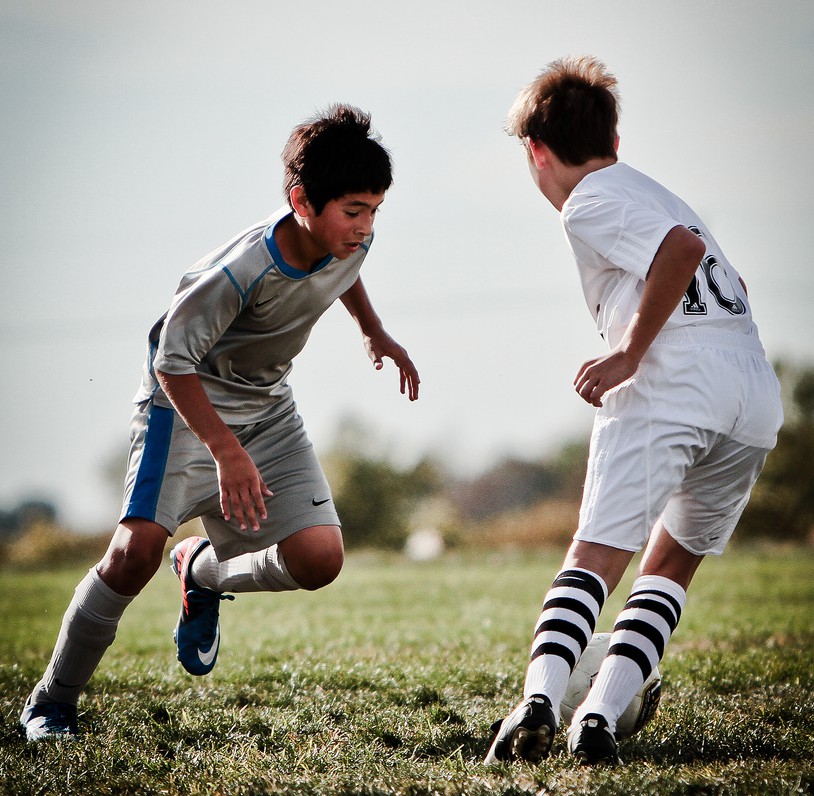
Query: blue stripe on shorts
x=150, y=476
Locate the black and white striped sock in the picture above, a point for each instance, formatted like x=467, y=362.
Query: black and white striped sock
x=565, y=627
x=637, y=644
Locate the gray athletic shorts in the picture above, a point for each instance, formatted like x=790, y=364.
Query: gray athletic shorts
x=172, y=478
x=684, y=441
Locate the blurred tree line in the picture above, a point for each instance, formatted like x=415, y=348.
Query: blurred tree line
x=28, y=512
x=519, y=502
x=31, y=535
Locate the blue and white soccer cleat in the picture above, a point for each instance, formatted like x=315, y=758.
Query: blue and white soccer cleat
x=527, y=733
x=197, y=634
x=591, y=742
x=49, y=720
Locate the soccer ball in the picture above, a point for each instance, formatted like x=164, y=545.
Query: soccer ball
x=641, y=709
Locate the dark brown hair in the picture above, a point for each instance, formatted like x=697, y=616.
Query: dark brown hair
x=333, y=154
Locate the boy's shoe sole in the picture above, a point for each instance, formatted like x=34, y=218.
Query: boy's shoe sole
x=527, y=733
x=49, y=720
x=592, y=743
x=197, y=633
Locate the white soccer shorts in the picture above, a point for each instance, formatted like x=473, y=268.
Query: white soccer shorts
x=684, y=440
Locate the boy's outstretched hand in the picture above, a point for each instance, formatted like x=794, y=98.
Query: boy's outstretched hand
x=378, y=343
x=382, y=345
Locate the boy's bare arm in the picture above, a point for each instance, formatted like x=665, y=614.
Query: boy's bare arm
x=241, y=486
x=670, y=273
x=378, y=343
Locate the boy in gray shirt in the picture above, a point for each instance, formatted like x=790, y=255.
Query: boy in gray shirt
x=216, y=434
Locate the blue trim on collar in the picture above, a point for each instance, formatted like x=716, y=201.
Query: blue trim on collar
x=283, y=267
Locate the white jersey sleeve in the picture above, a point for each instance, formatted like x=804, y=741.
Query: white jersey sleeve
x=625, y=234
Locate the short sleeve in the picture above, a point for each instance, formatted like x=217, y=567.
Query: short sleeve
x=202, y=310
x=625, y=233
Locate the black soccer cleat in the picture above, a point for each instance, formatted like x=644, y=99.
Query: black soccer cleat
x=49, y=720
x=592, y=743
x=197, y=634
x=527, y=733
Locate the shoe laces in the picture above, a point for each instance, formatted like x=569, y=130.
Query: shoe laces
x=206, y=603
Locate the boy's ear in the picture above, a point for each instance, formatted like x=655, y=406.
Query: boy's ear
x=616, y=143
x=539, y=153
x=299, y=201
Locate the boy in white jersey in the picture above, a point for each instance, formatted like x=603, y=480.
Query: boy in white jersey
x=216, y=434
x=688, y=408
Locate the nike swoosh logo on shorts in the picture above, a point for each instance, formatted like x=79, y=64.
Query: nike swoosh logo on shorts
x=316, y=502
x=206, y=658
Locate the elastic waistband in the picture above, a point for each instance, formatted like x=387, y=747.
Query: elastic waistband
x=694, y=335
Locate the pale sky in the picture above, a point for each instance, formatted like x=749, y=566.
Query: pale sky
x=139, y=136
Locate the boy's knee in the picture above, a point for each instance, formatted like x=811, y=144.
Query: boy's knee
x=133, y=556
x=314, y=556
x=321, y=569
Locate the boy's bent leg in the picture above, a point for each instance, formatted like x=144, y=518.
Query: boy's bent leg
x=316, y=556
x=309, y=559
x=90, y=622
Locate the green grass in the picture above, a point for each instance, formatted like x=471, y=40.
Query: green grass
x=387, y=682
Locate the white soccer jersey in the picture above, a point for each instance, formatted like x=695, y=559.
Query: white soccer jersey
x=239, y=317
x=615, y=220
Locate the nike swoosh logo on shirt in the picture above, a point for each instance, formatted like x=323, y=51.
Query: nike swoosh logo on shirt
x=265, y=301
x=206, y=658
x=319, y=502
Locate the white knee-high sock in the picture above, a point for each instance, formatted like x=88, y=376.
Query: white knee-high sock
x=565, y=627
x=88, y=629
x=637, y=644
x=261, y=571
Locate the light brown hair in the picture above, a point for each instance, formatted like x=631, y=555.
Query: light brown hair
x=572, y=107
